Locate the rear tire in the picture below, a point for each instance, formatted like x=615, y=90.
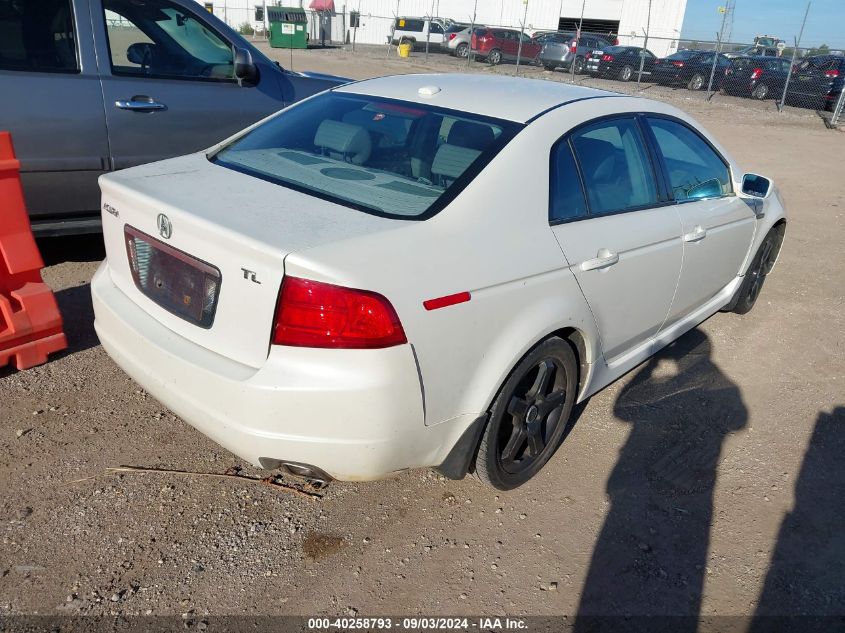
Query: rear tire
x=579, y=65
x=494, y=57
x=760, y=92
x=529, y=417
x=462, y=50
x=626, y=73
x=696, y=82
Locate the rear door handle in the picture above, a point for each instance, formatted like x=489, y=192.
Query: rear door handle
x=696, y=235
x=603, y=259
x=140, y=103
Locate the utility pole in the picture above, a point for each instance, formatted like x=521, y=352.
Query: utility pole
x=577, y=42
x=645, y=45
x=521, y=35
x=718, y=50
x=471, y=31
x=794, y=55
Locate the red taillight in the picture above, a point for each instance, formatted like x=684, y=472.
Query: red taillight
x=832, y=74
x=573, y=48
x=452, y=36
x=314, y=314
x=678, y=64
x=756, y=73
x=616, y=41
x=607, y=58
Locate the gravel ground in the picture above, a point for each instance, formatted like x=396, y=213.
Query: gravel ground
x=708, y=481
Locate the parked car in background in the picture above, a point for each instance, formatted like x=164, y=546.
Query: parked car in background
x=561, y=50
x=758, y=77
x=418, y=31
x=458, y=41
x=620, y=62
x=498, y=45
x=389, y=293
x=754, y=51
x=92, y=86
x=691, y=69
x=817, y=82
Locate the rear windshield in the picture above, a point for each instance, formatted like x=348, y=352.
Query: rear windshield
x=390, y=158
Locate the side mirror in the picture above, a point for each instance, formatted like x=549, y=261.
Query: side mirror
x=756, y=186
x=140, y=53
x=245, y=68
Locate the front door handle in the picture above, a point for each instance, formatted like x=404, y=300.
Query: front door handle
x=140, y=103
x=696, y=235
x=603, y=259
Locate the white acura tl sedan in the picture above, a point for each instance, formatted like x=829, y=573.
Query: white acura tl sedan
x=423, y=270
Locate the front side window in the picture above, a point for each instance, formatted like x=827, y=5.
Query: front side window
x=392, y=158
x=614, y=162
x=37, y=35
x=695, y=169
x=160, y=39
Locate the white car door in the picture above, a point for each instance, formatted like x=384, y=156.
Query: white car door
x=619, y=237
x=717, y=226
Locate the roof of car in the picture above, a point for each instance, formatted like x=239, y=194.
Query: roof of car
x=501, y=97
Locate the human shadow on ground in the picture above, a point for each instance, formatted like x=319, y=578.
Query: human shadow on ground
x=806, y=575
x=650, y=558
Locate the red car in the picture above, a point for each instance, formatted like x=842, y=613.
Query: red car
x=498, y=45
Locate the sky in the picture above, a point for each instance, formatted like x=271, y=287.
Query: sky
x=781, y=18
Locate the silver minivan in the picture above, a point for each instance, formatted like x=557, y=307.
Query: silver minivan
x=91, y=86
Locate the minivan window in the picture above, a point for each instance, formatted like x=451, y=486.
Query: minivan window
x=157, y=38
x=695, y=169
x=617, y=170
x=392, y=158
x=37, y=35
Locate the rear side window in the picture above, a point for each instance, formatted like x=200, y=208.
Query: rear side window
x=617, y=170
x=406, y=24
x=695, y=169
x=37, y=35
x=566, y=198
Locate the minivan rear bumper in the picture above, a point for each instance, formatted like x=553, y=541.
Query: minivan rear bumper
x=355, y=414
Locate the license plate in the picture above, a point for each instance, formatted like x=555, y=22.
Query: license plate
x=598, y=53
x=176, y=281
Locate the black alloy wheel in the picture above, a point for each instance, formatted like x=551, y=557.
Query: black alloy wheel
x=529, y=417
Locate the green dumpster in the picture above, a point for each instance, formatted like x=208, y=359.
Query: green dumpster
x=288, y=27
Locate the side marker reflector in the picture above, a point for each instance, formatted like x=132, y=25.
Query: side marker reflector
x=448, y=300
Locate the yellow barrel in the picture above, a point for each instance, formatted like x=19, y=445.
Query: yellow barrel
x=405, y=50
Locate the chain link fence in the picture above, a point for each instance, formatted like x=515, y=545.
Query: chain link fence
x=647, y=45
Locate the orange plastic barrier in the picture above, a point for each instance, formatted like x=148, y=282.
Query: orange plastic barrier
x=30, y=323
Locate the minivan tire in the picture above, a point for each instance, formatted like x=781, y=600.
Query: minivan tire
x=529, y=417
x=494, y=57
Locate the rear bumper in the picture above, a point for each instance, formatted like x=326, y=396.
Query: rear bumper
x=559, y=57
x=355, y=414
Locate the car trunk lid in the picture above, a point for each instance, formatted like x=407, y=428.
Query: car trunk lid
x=201, y=248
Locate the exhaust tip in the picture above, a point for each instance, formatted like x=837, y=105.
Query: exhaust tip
x=316, y=477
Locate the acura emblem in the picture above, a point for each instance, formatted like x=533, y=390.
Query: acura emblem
x=165, y=229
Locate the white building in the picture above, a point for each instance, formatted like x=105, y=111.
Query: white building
x=629, y=19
